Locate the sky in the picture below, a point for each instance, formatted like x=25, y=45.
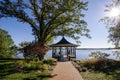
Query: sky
x=22, y=32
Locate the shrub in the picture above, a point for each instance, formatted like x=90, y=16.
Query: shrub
x=45, y=74
x=35, y=64
x=50, y=61
x=31, y=65
x=36, y=60
x=99, y=54
x=98, y=65
x=19, y=64
x=84, y=69
x=28, y=66
x=78, y=62
x=45, y=67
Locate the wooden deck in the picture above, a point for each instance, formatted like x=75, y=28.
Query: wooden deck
x=65, y=71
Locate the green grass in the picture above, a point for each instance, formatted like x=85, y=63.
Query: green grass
x=9, y=72
x=115, y=75
x=95, y=69
x=93, y=76
x=97, y=76
x=32, y=75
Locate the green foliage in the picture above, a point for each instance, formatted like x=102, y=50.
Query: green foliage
x=36, y=60
x=45, y=74
x=50, y=61
x=99, y=64
x=99, y=54
x=34, y=64
x=20, y=63
x=26, y=52
x=49, y=18
x=114, y=35
x=7, y=47
x=95, y=76
x=10, y=72
x=24, y=44
x=102, y=69
x=45, y=66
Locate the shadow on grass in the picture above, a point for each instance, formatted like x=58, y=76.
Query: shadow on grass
x=42, y=76
x=110, y=68
x=114, y=72
x=116, y=75
x=30, y=79
x=6, y=68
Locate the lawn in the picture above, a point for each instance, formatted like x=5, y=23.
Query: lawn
x=93, y=75
x=9, y=72
x=97, y=69
x=115, y=75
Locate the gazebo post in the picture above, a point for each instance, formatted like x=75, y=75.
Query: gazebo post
x=71, y=50
x=53, y=52
x=67, y=51
x=75, y=51
x=60, y=50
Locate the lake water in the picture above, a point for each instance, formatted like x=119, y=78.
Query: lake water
x=84, y=54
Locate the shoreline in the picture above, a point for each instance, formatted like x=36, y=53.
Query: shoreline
x=97, y=49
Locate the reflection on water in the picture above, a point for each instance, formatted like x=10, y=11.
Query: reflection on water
x=84, y=54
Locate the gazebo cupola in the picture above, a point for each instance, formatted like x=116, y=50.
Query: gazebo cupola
x=64, y=50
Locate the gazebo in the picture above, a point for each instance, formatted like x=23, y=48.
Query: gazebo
x=64, y=50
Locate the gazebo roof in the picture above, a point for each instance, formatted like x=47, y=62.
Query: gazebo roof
x=63, y=43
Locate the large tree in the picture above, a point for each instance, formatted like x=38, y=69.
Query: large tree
x=112, y=21
x=7, y=47
x=48, y=18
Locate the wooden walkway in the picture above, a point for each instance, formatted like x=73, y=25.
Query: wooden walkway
x=65, y=71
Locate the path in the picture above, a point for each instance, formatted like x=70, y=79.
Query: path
x=65, y=71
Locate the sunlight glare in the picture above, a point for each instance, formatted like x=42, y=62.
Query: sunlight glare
x=114, y=12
